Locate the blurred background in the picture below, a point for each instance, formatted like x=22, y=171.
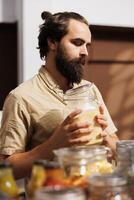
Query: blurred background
x=111, y=58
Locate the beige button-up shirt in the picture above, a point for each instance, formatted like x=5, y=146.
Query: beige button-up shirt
x=32, y=111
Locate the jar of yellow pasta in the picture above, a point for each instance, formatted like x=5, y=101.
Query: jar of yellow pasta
x=82, y=98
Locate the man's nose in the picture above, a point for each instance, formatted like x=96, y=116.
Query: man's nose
x=84, y=51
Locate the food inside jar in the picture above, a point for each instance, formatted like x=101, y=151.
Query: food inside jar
x=89, y=115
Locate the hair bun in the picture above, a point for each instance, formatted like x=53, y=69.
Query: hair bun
x=46, y=15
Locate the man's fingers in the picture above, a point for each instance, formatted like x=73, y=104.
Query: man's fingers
x=70, y=117
x=103, y=123
x=82, y=140
x=76, y=126
x=101, y=110
x=80, y=132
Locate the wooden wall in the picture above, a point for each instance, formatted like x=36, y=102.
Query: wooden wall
x=111, y=67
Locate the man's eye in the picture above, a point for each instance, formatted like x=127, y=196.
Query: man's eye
x=77, y=43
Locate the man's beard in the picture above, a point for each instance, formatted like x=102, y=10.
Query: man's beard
x=70, y=69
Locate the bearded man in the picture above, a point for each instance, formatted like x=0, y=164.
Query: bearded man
x=32, y=124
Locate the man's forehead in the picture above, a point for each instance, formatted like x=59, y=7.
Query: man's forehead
x=77, y=29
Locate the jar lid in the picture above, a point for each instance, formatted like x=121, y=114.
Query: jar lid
x=79, y=90
x=60, y=193
x=47, y=164
x=84, y=152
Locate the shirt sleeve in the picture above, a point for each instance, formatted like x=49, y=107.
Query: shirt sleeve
x=111, y=129
x=14, y=126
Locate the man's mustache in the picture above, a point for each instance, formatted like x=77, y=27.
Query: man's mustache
x=81, y=60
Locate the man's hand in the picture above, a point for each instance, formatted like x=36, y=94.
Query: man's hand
x=109, y=140
x=101, y=119
x=71, y=132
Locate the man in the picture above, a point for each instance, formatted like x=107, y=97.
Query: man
x=32, y=124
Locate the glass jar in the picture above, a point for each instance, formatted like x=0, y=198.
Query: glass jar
x=45, y=173
x=37, y=178
x=81, y=98
x=131, y=182
x=108, y=187
x=7, y=182
x=130, y=172
x=84, y=161
x=124, y=155
x=54, y=174
x=60, y=194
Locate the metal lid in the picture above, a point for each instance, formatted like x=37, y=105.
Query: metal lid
x=47, y=164
x=60, y=193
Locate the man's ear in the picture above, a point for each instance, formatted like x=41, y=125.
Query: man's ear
x=52, y=44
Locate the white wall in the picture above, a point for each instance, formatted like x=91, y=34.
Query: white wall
x=30, y=21
x=106, y=12
x=27, y=12
x=7, y=10
x=0, y=10
x=21, y=44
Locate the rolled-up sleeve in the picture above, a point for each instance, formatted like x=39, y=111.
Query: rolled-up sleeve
x=14, y=126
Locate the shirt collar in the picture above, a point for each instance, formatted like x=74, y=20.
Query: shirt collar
x=48, y=79
x=51, y=83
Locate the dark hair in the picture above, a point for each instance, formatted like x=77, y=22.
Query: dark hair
x=54, y=28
